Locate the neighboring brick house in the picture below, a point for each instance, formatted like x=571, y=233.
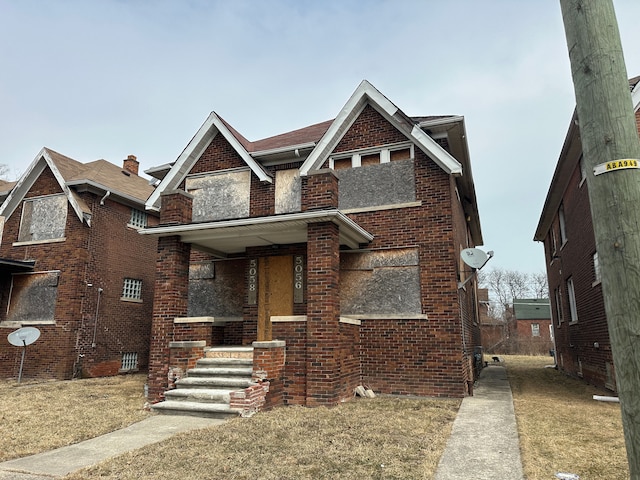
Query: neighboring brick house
x=495, y=332
x=533, y=326
x=73, y=265
x=334, y=249
x=577, y=305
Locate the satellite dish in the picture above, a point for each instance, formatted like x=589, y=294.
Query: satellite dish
x=24, y=336
x=21, y=338
x=474, y=257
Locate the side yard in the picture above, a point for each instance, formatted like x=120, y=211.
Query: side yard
x=561, y=427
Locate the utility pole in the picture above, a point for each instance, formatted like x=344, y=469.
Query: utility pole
x=611, y=154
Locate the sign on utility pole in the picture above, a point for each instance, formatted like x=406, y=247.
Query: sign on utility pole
x=611, y=154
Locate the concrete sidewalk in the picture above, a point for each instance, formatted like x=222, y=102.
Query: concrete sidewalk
x=484, y=441
x=62, y=461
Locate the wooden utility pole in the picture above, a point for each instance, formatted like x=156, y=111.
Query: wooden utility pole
x=611, y=154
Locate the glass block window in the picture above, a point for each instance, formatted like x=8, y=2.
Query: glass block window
x=132, y=289
x=129, y=361
x=138, y=218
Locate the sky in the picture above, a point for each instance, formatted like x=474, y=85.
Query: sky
x=108, y=78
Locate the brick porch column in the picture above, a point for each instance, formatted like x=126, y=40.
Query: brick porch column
x=171, y=290
x=320, y=191
x=323, y=314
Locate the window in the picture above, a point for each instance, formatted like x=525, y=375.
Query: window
x=583, y=170
x=563, y=228
x=43, y=218
x=363, y=158
x=572, y=300
x=33, y=296
x=596, y=270
x=129, y=362
x=558, y=297
x=138, y=218
x=535, y=329
x=132, y=289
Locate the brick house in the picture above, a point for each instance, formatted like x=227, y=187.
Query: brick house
x=73, y=265
x=533, y=326
x=334, y=250
x=577, y=305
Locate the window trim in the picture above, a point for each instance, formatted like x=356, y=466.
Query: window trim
x=562, y=226
x=384, y=151
x=558, y=299
x=597, y=274
x=533, y=330
x=573, y=306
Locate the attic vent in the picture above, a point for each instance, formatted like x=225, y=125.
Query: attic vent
x=124, y=172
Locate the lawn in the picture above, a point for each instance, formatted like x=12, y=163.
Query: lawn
x=561, y=428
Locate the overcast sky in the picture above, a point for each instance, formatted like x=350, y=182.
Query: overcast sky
x=105, y=79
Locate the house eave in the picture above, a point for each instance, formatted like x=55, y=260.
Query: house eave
x=234, y=236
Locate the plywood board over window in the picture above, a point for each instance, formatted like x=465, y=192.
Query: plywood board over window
x=43, y=218
x=33, y=297
x=220, y=195
x=385, y=282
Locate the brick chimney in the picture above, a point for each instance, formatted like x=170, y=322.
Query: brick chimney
x=131, y=164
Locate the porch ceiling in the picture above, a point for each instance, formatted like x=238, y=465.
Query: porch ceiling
x=234, y=236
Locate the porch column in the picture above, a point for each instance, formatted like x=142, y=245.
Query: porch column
x=171, y=290
x=323, y=314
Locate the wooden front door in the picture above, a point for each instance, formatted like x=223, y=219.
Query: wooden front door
x=275, y=292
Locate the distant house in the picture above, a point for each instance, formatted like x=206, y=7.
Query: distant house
x=496, y=333
x=333, y=250
x=533, y=326
x=73, y=265
x=565, y=227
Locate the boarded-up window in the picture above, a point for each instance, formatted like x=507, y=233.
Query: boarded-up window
x=383, y=184
x=43, y=218
x=288, y=188
x=33, y=297
x=379, y=283
x=216, y=289
x=220, y=196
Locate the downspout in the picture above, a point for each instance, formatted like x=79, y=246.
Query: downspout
x=95, y=325
x=106, y=195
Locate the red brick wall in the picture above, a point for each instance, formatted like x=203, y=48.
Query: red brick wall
x=100, y=255
x=575, y=259
x=320, y=190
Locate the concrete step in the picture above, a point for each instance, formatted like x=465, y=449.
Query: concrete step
x=197, y=409
x=203, y=395
x=233, y=383
x=224, y=362
x=222, y=371
x=228, y=352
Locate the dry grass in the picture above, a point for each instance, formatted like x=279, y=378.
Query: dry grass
x=561, y=427
x=40, y=416
x=368, y=438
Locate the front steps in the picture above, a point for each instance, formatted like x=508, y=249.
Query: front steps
x=205, y=390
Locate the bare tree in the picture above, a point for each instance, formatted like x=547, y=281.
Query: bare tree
x=4, y=171
x=505, y=285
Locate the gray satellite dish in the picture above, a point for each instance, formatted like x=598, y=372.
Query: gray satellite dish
x=474, y=257
x=21, y=338
x=24, y=336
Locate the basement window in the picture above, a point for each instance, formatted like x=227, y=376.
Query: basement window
x=129, y=362
x=43, y=219
x=132, y=290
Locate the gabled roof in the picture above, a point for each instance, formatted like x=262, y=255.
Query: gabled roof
x=198, y=144
x=567, y=163
x=73, y=176
x=367, y=94
x=532, y=308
